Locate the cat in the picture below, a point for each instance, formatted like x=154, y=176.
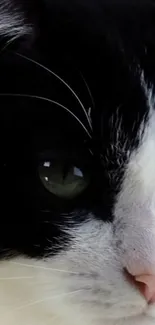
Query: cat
x=77, y=98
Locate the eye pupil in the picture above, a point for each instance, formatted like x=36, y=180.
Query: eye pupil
x=63, y=180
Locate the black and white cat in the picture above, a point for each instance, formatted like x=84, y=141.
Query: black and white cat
x=77, y=108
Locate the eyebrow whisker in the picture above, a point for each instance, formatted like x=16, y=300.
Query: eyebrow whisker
x=63, y=81
x=49, y=101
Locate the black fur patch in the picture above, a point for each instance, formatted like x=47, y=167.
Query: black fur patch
x=99, y=48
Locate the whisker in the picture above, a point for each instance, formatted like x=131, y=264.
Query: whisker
x=46, y=299
x=43, y=268
x=8, y=43
x=49, y=101
x=88, y=89
x=63, y=81
x=17, y=278
x=89, y=113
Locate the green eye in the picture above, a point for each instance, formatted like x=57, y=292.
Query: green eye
x=64, y=181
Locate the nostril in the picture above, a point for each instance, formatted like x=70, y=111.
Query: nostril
x=148, y=282
x=131, y=279
x=145, y=283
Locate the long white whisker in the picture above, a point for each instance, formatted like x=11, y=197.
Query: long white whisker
x=17, y=278
x=46, y=299
x=8, y=43
x=42, y=267
x=49, y=101
x=63, y=81
x=89, y=91
x=47, y=268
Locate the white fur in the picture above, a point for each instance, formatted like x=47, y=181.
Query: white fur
x=12, y=22
x=87, y=285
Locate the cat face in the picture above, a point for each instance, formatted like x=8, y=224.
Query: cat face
x=77, y=162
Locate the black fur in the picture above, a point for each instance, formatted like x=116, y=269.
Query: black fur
x=101, y=44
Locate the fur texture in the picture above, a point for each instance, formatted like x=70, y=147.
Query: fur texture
x=77, y=87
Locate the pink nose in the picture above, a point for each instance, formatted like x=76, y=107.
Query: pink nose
x=147, y=286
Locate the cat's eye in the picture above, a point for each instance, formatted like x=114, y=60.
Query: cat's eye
x=62, y=180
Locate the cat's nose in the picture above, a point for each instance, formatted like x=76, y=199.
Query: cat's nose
x=146, y=284
x=139, y=257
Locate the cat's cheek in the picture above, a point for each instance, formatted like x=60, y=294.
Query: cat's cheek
x=93, y=255
x=134, y=213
